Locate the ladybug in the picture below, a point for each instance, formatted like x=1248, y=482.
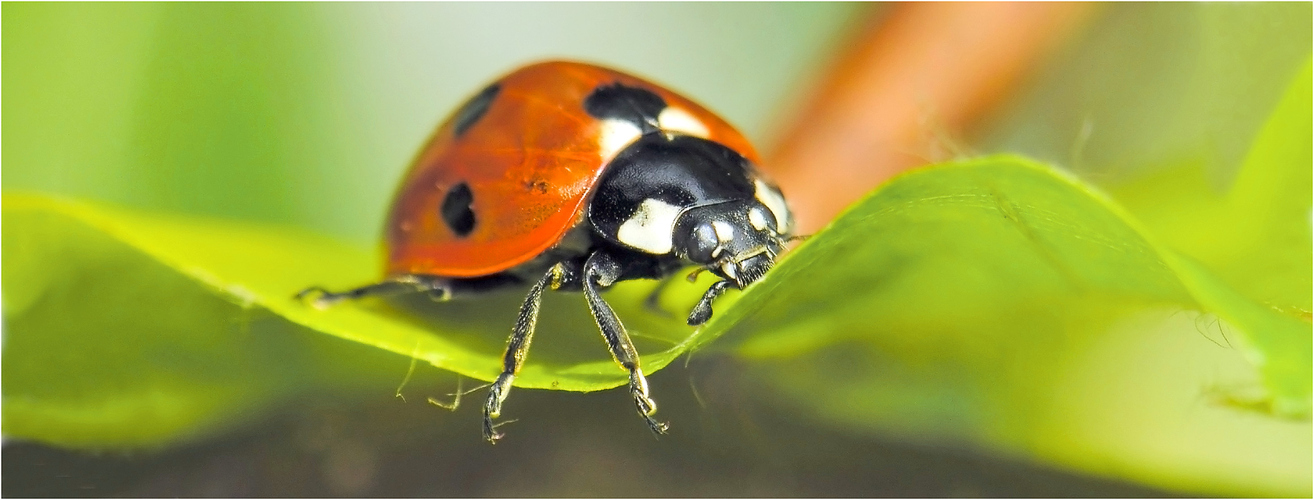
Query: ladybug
x=569, y=176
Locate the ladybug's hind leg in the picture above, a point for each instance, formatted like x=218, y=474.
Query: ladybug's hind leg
x=602, y=270
x=439, y=289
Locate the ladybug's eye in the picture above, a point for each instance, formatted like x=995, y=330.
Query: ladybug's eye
x=703, y=244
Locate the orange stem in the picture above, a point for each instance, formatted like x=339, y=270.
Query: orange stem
x=918, y=73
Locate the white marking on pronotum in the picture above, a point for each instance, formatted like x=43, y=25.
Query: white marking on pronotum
x=651, y=227
x=614, y=135
x=673, y=119
x=757, y=219
x=775, y=203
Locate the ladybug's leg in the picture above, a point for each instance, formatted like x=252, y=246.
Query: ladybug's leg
x=517, y=347
x=602, y=270
x=439, y=288
x=703, y=310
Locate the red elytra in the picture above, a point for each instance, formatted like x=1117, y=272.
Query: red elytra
x=531, y=161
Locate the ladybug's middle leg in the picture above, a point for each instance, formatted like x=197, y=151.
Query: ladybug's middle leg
x=517, y=347
x=602, y=270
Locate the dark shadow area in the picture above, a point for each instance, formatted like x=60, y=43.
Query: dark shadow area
x=564, y=444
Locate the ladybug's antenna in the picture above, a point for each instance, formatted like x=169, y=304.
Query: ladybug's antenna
x=783, y=240
x=797, y=237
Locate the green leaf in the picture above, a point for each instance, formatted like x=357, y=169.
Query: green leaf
x=264, y=266
x=112, y=341
x=118, y=318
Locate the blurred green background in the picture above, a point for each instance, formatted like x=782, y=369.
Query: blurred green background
x=306, y=114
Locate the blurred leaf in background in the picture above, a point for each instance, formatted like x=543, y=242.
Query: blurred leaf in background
x=1155, y=86
x=1163, y=106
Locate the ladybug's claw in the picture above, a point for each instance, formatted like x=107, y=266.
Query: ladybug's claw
x=646, y=406
x=492, y=438
x=493, y=407
x=322, y=297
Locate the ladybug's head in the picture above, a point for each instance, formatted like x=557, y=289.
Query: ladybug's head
x=736, y=240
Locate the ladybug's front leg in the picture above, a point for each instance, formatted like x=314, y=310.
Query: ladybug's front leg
x=601, y=270
x=703, y=310
x=517, y=347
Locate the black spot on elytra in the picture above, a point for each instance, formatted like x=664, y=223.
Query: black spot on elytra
x=620, y=102
x=474, y=109
x=456, y=210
